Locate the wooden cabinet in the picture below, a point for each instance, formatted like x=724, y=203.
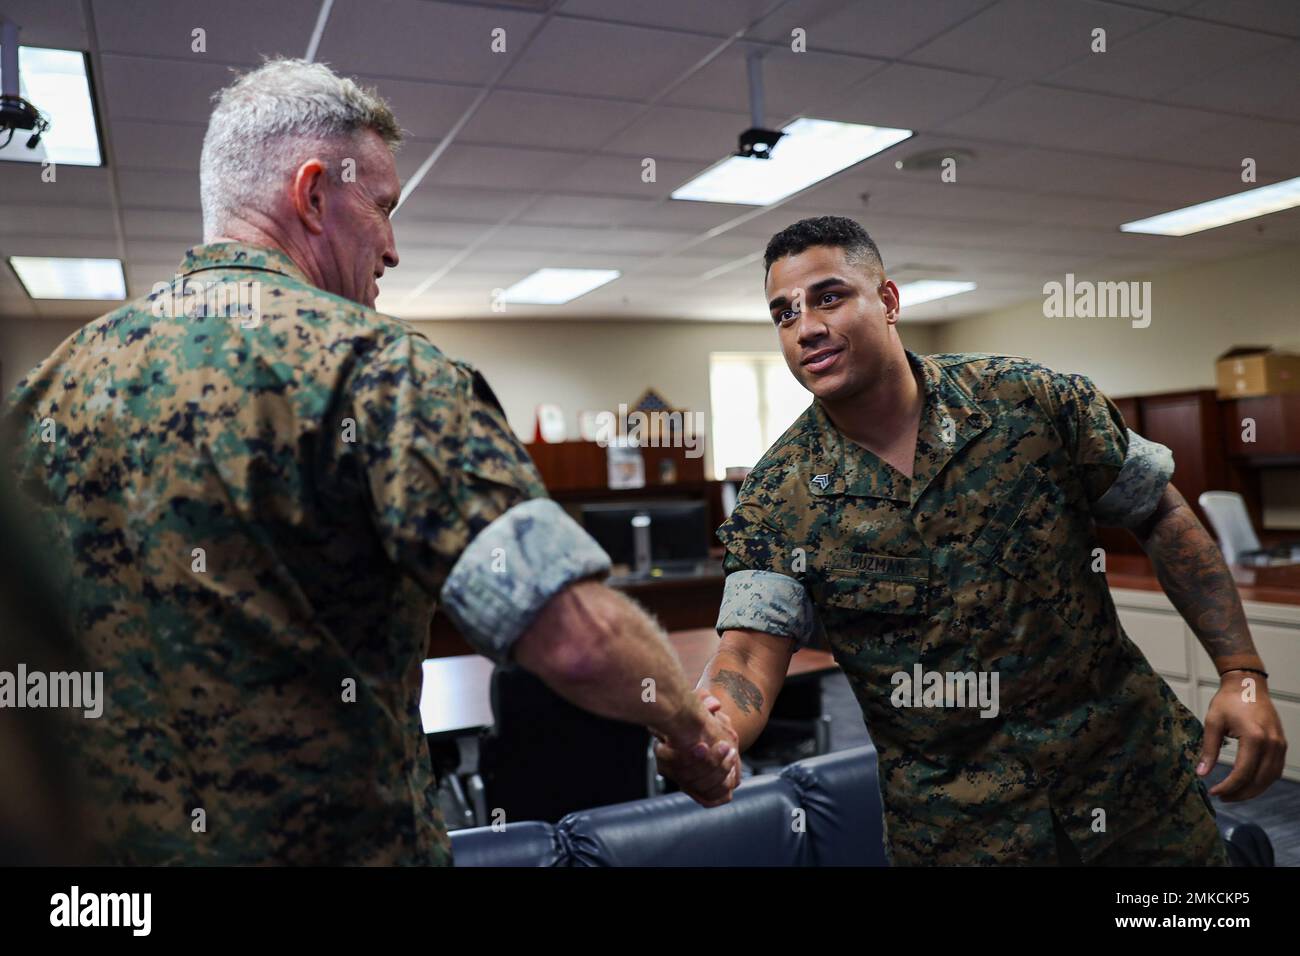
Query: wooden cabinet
x=582, y=465
x=1150, y=621
x=1189, y=424
x=1131, y=409
x=1276, y=429
x=570, y=465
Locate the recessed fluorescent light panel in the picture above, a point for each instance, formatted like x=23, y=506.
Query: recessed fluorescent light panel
x=810, y=151
x=55, y=82
x=557, y=286
x=927, y=290
x=1221, y=212
x=48, y=278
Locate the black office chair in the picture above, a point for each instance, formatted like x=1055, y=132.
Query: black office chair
x=1247, y=843
x=796, y=730
x=545, y=758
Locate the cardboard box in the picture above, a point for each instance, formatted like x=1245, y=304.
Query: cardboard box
x=1249, y=370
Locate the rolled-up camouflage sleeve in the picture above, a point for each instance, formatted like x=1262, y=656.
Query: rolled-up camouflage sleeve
x=1136, y=490
x=758, y=594
x=509, y=572
x=767, y=602
x=1123, y=473
x=457, y=502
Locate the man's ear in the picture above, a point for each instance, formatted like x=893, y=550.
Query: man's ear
x=889, y=296
x=308, y=195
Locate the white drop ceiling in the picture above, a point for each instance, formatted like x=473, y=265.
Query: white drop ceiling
x=546, y=169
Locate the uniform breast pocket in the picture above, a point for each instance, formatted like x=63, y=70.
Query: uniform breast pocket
x=869, y=595
x=869, y=600
x=1032, y=539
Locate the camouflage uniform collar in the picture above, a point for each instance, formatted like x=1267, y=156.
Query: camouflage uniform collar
x=950, y=418
x=240, y=255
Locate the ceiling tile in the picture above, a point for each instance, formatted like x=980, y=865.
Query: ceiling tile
x=422, y=40
x=1167, y=56
x=1067, y=173
x=185, y=226
x=1027, y=39
x=579, y=56
x=517, y=118
x=148, y=250
x=671, y=132
x=622, y=175
x=1265, y=86
x=164, y=28
x=158, y=188
x=556, y=209
x=49, y=23
x=1081, y=122
x=884, y=28
x=433, y=203
x=440, y=232
x=908, y=97
x=718, y=17
x=500, y=166
x=793, y=83
x=1279, y=16
x=93, y=247
x=425, y=111
x=1225, y=141
x=73, y=221
x=157, y=145
x=22, y=182
x=161, y=91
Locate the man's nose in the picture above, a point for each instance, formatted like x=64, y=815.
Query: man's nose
x=810, y=327
x=390, y=250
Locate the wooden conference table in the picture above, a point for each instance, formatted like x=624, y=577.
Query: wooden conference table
x=456, y=696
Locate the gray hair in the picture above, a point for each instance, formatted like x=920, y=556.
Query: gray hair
x=271, y=120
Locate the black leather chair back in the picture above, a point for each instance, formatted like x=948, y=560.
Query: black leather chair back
x=516, y=844
x=838, y=795
x=758, y=827
x=545, y=757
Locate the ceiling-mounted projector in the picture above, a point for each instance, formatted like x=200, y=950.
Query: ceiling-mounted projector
x=15, y=112
x=758, y=143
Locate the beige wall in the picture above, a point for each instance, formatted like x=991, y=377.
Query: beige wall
x=1197, y=313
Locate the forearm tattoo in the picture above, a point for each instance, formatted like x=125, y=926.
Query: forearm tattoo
x=742, y=690
x=1191, y=570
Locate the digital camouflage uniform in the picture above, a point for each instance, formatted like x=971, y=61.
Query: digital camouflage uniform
x=982, y=562
x=333, y=466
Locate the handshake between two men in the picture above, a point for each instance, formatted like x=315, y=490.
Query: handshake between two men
x=595, y=647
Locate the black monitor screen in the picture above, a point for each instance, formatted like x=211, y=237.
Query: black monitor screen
x=679, y=530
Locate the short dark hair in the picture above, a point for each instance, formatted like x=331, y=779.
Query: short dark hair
x=824, y=231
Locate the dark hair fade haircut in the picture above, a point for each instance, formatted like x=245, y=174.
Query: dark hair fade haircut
x=858, y=247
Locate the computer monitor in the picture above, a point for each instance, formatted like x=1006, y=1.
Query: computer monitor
x=679, y=530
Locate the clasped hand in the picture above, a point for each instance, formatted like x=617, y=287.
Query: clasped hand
x=704, y=761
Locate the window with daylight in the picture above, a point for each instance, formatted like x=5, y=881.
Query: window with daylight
x=755, y=399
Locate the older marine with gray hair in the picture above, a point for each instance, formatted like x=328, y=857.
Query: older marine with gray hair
x=259, y=513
